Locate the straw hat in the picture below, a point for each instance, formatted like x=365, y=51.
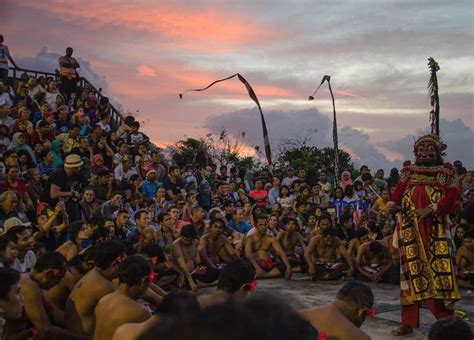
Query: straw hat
x=73, y=161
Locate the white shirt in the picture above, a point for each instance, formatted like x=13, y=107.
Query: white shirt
x=5, y=99
x=120, y=174
x=28, y=263
x=289, y=181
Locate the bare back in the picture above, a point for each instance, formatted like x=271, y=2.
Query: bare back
x=83, y=300
x=330, y=320
x=114, y=310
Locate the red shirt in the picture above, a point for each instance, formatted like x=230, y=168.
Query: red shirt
x=19, y=187
x=258, y=195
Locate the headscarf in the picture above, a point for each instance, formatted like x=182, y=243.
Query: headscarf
x=14, y=145
x=57, y=157
x=343, y=183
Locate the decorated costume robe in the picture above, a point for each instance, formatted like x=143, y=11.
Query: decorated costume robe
x=427, y=253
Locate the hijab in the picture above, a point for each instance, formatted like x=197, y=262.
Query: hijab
x=343, y=183
x=57, y=157
x=17, y=146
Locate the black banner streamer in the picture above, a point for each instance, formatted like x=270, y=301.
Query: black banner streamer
x=253, y=96
x=334, y=127
x=434, y=96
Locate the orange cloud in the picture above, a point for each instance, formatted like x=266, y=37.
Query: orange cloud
x=176, y=23
x=146, y=71
x=347, y=93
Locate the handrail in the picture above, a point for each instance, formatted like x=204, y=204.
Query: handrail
x=116, y=118
x=35, y=72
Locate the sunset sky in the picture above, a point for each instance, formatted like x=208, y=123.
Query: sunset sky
x=145, y=52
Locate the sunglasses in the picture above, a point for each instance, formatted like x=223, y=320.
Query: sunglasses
x=152, y=277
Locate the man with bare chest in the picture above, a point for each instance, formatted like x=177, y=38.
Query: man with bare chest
x=121, y=307
x=183, y=256
x=77, y=267
x=289, y=240
x=361, y=236
x=374, y=263
x=257, y=252
x=85, y=295
x=465, y=260
x=321, y=257
x=214, y=248
x=48, y=271
x=342, y=318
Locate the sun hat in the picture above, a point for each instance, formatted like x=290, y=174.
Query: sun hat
x=73, y=161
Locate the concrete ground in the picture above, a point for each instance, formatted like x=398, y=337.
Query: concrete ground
x=302, y=293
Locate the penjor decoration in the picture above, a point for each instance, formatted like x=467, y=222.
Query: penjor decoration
x=434, y=97
x=334, y=127
x=253, y=96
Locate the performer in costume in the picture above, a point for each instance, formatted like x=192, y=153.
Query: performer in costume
x=425, y=194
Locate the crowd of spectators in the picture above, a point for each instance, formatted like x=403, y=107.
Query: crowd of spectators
x=80, y=196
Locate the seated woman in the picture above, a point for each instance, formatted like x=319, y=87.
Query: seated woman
x=78, y=232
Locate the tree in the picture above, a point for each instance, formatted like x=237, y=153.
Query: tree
x=214, y=149
x=189, y=151
x=312, y=159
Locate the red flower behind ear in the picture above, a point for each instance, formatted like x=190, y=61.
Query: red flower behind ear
x=152, y=277
x=253, y=286
x=322, y=335
x=407, y=163
x=370, y=313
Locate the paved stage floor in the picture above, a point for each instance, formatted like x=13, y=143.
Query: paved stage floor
x=302, y=293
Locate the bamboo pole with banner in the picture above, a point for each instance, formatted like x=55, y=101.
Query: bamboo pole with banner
x=434, y=96
x=334, y=127
x=253, y=96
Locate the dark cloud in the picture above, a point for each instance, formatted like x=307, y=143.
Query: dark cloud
x=285, y=125
x=458, y=137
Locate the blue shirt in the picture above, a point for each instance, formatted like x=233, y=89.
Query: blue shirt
x=273, y=195
x=149, y=189
x=243, y=227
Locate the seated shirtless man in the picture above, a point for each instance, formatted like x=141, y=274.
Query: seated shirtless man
x=361, y=236
x=289, y=239
x=183, y=256
x=77, y=267
x=374, y=263
x=160, y=265
x=176, y=305
x=237, y=279
x=257, y=252
x=214, y=248
x=121, y=307
x=11, y=303
x=85, y=295
x=465, y=261
x=48, y=271
x=342, y=318
x=324, y=221
x=321, y=257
